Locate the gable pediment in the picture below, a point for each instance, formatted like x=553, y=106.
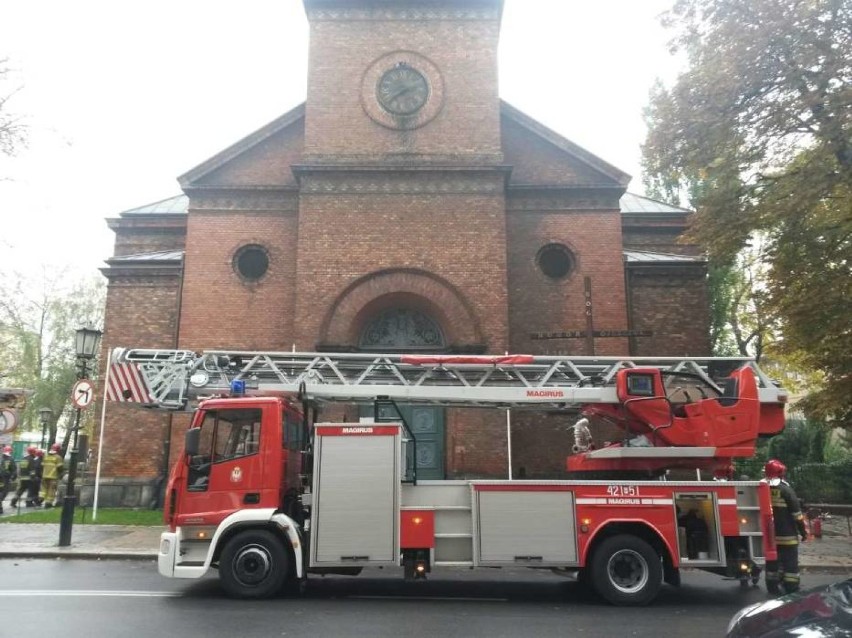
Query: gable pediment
x=263, y=158
x=542, y=157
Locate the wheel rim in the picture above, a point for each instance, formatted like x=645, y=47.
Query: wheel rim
x=252, y=565
x=628, y=571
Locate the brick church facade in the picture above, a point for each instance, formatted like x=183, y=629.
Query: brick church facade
x=403, y=207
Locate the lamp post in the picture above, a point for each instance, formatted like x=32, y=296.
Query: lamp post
x=85, y=347
x=44, y=415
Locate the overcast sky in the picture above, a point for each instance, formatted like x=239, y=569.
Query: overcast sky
x=123, y=97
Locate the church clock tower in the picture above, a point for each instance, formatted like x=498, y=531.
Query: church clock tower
x=402, y=182
x=413, y=80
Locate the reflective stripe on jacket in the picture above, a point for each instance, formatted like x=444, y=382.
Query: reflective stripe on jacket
x=786, y=512
x=53, y=467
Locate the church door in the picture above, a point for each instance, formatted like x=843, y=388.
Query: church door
x=403, y=330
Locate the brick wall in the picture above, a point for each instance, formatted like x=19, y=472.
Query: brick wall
x=220, y=309
x=141, y=312
x=459, y=238
x=541, y=304
x=671, y=302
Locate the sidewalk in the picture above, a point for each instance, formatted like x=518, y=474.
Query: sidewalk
x=29, y=540
x=833, y=552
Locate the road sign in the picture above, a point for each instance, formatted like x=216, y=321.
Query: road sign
x=8, y=421
x=82, y=394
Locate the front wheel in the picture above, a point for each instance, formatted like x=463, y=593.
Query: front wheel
x=254, y=564
x=626, y=570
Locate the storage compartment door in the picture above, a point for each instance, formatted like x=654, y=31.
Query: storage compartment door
x=356, y=506
x=526, y=528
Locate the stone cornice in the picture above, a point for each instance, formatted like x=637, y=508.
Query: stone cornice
x=136, y=272
x=396, y=180
x=402, y=161
x=317, y=10
x=153, y=223
x=249, y=199
x=543, y=199
x=690, y=269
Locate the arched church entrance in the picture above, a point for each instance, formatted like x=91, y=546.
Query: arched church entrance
x=401, y=330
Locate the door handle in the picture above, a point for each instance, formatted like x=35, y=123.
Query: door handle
x=252, y=498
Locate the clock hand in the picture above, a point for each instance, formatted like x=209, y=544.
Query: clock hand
x=400, y=92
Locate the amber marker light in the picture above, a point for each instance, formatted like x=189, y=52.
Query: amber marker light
x=417, y=520
x=584, y=525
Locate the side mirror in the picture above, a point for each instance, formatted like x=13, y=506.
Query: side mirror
x=191, y=440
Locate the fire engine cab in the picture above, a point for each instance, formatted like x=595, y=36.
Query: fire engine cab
x=267, y=494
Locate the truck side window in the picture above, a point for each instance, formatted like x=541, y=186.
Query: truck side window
x=292, y=431
x=225, y=435
x=237, y=434
x=199, y=465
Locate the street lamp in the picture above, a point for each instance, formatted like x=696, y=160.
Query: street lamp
x=44, y=415
x=85, y=347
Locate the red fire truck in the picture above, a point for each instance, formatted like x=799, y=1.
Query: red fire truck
x=267, y=495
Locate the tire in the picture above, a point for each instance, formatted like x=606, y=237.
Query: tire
x=626, y=570
x=254, y=564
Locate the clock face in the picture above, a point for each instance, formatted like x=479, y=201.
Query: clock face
x=402, y=90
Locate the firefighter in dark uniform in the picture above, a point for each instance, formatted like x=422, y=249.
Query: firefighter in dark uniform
x=8, y=474
x=35, y=478
x=789, y=526
x=25, y=472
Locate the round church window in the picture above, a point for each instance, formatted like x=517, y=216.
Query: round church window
x=555, y=260
x=251, y=262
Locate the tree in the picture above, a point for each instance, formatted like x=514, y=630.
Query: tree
x=740, y=324
x=37, y=324
x=757, y=134
x=12, y=129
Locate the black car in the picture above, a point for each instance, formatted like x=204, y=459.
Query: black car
x=822, y=612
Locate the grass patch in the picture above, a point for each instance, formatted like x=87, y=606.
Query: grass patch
x=83, y=516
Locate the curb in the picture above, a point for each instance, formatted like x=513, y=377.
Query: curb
x=83, y=555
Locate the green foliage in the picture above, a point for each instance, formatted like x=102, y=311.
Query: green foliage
x=823, y=482
x=818, y=460
x=757, y=134
x=38, y=320
x=83, y=516
x=740, y=324
x=801, y=442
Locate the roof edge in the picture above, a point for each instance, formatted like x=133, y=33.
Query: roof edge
x=561, y=142
x=252, y=139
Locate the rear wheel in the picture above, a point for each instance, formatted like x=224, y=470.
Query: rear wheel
x=254, y=564
x=626, y=570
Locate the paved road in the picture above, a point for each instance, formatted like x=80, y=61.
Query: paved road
x=105, y=598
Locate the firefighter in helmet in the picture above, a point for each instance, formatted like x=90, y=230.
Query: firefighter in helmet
x=8, y=473
x=789, y=525
x=52, y=471
x=35, y=478
x=25, y=476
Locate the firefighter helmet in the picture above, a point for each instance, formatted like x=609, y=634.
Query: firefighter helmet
x=39, y=452
x=31, y=449
x=774, y=469
x=56, y=447
x=7, y=449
